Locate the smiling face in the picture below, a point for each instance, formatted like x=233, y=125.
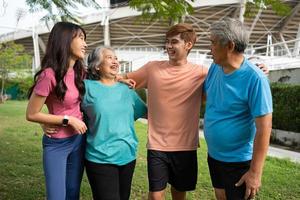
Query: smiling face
x=78, y=46
x=177, y=48
x=109, y=66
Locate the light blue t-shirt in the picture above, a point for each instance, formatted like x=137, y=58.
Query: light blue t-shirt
x=110, y=112
x=233, y=101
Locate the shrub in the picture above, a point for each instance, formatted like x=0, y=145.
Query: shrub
x=142, y=94
x=286, y=106
x=22, y=85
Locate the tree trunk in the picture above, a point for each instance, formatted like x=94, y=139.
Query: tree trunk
x=2, y=87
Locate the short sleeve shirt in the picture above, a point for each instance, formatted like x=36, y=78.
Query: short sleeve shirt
x=109, y=113
x=69, y=106
x=233, y=101
x=174, y=98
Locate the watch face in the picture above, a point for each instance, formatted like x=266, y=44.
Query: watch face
x=65, y=121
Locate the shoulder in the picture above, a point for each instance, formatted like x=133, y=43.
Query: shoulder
x=89, y=83
x=213, y=68
x=47, y=72
x=47, y=76
x=203, y=70
x=123, y=86
x=253, y=70
x=157, y=63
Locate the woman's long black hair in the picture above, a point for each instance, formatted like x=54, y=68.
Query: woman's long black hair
x=58, y=53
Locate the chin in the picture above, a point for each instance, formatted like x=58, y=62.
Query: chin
x=80, y=57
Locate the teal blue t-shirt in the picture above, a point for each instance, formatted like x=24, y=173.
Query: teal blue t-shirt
x=233, y=101
x=109, y=113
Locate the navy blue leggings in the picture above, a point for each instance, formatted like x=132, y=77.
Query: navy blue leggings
x=63, y=166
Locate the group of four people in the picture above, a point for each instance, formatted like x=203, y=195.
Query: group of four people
x=237, y=122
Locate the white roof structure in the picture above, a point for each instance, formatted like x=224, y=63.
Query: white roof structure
x=121, y=28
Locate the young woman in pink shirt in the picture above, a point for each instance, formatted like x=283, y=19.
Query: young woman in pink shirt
x=59, y=85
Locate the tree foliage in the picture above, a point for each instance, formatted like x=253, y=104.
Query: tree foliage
x=60, y=9
x=172, y=10
x=12, y=56
x=162, y=9
x=278, y=6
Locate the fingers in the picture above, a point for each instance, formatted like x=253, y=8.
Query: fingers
x=247, y=193
x=132, y=83
x=264, y=68
x=51, y=130
x=82, y=128
x=240, y=182
x=250, y=194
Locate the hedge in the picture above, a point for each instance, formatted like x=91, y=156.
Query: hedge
x=142, y=94
x=286, y=107
x=286, y=102
x=22, y=84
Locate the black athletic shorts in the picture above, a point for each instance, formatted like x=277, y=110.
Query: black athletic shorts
x=178, y=168
x=224, y=175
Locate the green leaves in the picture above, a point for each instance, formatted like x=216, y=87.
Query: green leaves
x=60, y=9
x=13, y=56
x=279, y=7
x=171, y=10
x=162, y=9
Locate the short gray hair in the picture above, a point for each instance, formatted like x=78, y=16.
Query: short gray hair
x=94, y=61
x=231, y=30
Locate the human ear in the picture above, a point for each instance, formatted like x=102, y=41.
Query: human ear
x=231, y=46
x=189, y=45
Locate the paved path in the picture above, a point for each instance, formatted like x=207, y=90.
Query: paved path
x=282, y=153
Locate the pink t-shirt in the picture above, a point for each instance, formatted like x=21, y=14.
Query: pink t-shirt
x=174, y=98
x=71, y=104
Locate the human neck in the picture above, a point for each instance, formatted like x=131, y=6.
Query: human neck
x=71, y=63
x=108, y=80
x=233, y=63
x=180, y=62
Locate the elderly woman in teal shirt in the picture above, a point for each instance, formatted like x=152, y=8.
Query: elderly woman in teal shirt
x=110, y=109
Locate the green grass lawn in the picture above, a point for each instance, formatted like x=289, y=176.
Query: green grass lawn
x=21, y=174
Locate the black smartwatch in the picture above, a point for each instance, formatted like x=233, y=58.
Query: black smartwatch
x=65, y=121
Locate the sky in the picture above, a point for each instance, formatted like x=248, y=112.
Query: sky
x=8, y=19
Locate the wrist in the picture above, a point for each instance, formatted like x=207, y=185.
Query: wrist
x=255, y=171
x=66, y=120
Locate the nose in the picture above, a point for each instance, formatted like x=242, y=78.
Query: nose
x=168, y=45
x=115, y=61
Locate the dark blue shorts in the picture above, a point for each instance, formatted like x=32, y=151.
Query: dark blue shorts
x=224, y=175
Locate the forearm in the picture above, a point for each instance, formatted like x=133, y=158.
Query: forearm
x=261, y=143
x=34, y=114
x=44, y=118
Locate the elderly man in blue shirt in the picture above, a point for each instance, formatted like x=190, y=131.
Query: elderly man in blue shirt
x=238, y=117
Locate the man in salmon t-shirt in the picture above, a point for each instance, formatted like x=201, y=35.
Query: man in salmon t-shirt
x=174, y=93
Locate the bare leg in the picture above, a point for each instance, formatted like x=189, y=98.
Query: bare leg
x=220, y=194
x=177, y=195
x=159, y=195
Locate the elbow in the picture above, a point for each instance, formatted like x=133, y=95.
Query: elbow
x=30, y=117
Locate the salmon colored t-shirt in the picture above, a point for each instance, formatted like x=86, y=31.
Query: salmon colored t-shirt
x=71, y=104
x=174, y=98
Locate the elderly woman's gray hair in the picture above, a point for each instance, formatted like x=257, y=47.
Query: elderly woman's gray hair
x=231, y=30
x=94, y=61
